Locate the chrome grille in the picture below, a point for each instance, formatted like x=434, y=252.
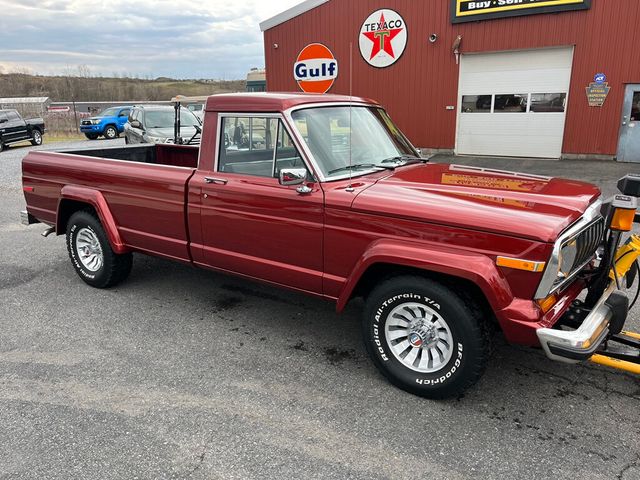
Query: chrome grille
x=86, y=122
x=588, y=241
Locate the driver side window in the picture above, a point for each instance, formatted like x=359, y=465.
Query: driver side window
x=249, y=146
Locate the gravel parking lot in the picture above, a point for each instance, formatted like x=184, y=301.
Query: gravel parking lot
x=183, y=373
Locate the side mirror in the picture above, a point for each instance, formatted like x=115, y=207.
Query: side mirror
x=136, y=124
x=293, y=176
x=3, y=120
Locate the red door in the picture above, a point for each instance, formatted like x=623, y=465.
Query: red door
x=251, y=224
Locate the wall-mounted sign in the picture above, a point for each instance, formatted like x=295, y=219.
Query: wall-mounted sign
x=472, y=10
x=600, y=78
x=383, y=38
x=597, y=93
x=315, y=69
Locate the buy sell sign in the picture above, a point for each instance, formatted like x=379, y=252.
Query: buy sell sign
x=472, y=10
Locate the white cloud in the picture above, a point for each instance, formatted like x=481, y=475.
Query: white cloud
x=179, y=38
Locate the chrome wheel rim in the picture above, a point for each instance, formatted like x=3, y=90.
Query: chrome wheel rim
x=419, y=337
x=37, y=138
x=89, y=250
x=111, y=133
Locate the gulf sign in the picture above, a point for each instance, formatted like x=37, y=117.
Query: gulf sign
x=315, y=69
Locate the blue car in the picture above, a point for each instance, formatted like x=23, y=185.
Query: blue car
x=109, y=123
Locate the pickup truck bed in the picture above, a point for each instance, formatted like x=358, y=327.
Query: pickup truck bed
x=166, y=170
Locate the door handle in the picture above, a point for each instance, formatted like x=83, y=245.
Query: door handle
x=217, y=181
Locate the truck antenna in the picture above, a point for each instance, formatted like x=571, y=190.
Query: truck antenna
x=350, y=187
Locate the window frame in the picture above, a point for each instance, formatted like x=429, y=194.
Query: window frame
x=265, y=115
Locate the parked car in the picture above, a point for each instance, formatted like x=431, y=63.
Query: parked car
x=109, y=123
x=155, y=124
x=197, y=109
x=14, y=129
x=442, y=254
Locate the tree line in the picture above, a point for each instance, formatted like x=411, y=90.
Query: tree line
x=80, y=86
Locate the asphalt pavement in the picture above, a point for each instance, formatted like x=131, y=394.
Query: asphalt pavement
x=184, y=373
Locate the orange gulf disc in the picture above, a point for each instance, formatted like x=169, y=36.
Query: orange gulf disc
x=317, y=59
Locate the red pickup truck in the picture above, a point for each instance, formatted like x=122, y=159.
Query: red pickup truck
x=325, y=195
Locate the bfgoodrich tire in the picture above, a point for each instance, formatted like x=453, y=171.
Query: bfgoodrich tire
x=91, y=254
x=424, y=338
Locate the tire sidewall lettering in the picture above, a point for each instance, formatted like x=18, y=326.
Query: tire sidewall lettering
x=71, y=238
x=383, y=351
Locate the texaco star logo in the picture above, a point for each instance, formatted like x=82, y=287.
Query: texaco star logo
x=383, y=38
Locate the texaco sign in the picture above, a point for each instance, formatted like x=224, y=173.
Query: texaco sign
x=383, y=38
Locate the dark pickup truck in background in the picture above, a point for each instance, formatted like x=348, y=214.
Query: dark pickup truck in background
x=325, y=195
x=14, y=129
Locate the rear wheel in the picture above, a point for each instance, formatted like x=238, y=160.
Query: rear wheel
x=91, y=136
x=36, y=137
x=424, y=338
x=91, y=254
x=110, y=132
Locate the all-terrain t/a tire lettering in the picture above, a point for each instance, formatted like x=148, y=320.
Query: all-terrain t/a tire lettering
x=91, y=254
x=424, y=338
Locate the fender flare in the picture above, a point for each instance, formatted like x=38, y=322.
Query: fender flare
x=475, y=267
x=97, y=201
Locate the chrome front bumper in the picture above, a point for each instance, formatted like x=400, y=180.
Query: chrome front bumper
x=578, y=345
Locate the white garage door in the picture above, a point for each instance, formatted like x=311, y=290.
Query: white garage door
x=513, y=103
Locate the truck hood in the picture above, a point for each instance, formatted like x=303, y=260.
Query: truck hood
x=514, y=204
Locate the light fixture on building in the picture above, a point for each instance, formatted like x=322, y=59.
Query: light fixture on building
x=456, y=48
x=433, y=37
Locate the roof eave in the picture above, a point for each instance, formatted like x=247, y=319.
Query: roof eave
x=290, y=13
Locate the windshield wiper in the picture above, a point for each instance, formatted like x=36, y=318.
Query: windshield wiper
x=401, y=160
x=361, y=165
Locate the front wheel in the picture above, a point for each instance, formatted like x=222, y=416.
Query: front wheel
x=36, y=137
x=110, y=132
x=91, y=254
x=91, y=136
x=424, y=338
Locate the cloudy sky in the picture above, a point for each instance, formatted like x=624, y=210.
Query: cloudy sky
x=175, y=38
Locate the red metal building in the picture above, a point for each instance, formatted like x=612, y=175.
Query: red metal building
x=540, y=78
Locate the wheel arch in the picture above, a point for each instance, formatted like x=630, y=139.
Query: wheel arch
x=474, y=275
x=73, y=199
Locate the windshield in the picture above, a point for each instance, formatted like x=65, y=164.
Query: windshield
x=109, y=112
x=371, y=140
x=166, y=118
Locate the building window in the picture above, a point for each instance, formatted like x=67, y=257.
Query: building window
x=510, y=103
x=476, y=103
x=548, y=102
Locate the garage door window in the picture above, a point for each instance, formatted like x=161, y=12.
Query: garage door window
x=548, y=102
x=476, y=103
x=510, y=103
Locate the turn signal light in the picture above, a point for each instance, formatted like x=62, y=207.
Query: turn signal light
x=624, y=212
x=623, y=219
x=518, y=264
x=546, y=304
